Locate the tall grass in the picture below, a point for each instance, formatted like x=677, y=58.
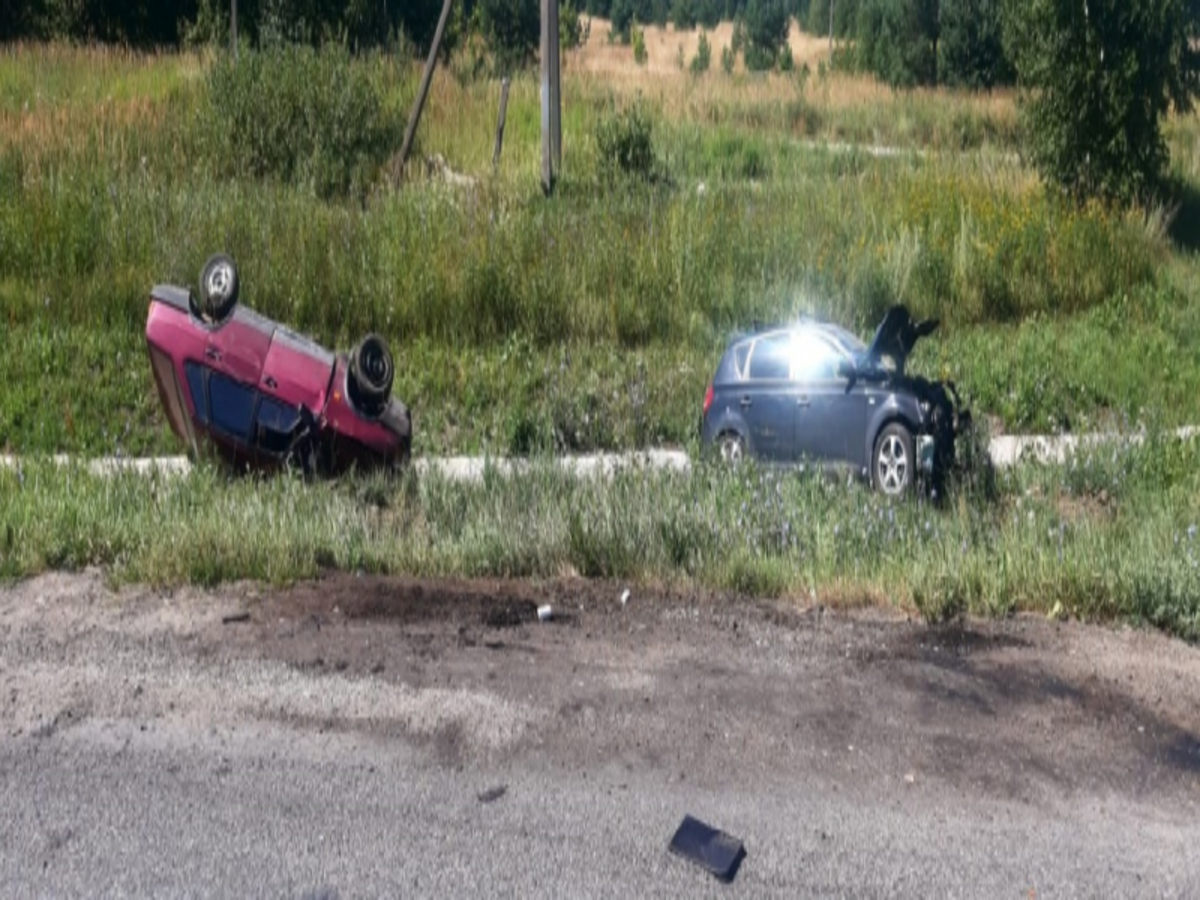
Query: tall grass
x=1113, y=534
x=109, y=183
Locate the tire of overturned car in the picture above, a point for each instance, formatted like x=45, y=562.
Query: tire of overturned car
x=371, y=373
x=219, y=287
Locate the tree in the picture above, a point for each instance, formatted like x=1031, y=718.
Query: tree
x=972, y=46
x=766, y=23
x=512, y=29
x=621, y=14
x=897, y=40
x=1099, y=75
x=683, y=14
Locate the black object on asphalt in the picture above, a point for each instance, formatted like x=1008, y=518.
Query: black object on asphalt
x=718, y=852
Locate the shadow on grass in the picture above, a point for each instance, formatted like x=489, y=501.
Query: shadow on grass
x=1184, y=229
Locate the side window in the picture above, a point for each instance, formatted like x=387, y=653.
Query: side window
x=816, y=359
x=770, y=360
x=195, y=380
x=276, y=423
x=231, y=405
x=739, y=359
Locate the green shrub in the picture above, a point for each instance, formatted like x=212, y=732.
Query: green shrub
x=638, y=37
x=728, y=58
x=626, y=145
x=298, y=115
x=703, y=58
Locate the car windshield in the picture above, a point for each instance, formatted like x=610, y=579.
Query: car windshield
x=846, y=341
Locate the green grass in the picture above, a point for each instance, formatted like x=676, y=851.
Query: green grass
x=592, y=320
x=1111, y=535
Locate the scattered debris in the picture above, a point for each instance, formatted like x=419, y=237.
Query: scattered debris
x=625, y=596
x=235, y=617
x=719, y=853
x=545, y=613
x=492, y=794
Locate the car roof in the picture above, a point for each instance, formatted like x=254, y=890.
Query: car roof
x=830, y=329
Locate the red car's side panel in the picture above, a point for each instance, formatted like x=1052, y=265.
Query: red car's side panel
x=239, y=347
x=172, y=332
x=296, y=371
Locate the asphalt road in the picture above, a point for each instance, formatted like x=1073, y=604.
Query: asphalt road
x=359, y=737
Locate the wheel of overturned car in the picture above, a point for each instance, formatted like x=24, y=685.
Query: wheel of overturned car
x=893, y=464
x=731, y=447
x=371, y=372
x=218, y=288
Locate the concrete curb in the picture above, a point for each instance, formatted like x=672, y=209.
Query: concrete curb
x=1005, y=451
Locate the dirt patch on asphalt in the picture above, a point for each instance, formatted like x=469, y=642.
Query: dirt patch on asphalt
x=691, y=684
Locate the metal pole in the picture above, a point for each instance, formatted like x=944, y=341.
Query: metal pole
x=500, y=122
x=555, y=91
x=423, y=91
x=544, y=54
x=233, y=27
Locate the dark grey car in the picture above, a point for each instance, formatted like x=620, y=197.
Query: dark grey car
x=815, y=391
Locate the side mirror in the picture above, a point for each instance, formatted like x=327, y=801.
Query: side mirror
x=846, y=369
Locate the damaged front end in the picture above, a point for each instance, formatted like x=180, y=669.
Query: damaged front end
x=944, y=418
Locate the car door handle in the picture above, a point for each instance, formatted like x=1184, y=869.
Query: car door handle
x=212, y=353
x=802, y=400
x=746, y=401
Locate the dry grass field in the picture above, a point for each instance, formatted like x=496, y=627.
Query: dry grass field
x=605, y=65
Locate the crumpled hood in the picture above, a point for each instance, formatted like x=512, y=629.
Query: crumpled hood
x=896, y=336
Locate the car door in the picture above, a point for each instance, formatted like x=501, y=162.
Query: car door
x=768, y=398
x=239, y=347
x=832, y=413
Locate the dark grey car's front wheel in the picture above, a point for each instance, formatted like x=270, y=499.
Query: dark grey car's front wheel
x=893, y=464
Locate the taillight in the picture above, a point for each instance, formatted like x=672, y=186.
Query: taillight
x=708, y=398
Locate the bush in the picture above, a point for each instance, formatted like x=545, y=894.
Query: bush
x=638, y=37
x=703, y=58
x=727, y=59
x=299, y=115
x=626, y=145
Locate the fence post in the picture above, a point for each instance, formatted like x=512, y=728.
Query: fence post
x=500, y=122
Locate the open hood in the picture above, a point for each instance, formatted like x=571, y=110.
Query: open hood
x=895, y=338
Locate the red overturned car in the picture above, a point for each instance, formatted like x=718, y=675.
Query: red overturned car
x=264, y=396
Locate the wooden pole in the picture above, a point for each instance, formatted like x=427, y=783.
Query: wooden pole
x=233, y=27
x=500, y=122
x=423, y=91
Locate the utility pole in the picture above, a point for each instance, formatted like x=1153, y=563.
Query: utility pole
x=551, y=98
x=830, y=26
x=555, y=90
x=423, y=91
